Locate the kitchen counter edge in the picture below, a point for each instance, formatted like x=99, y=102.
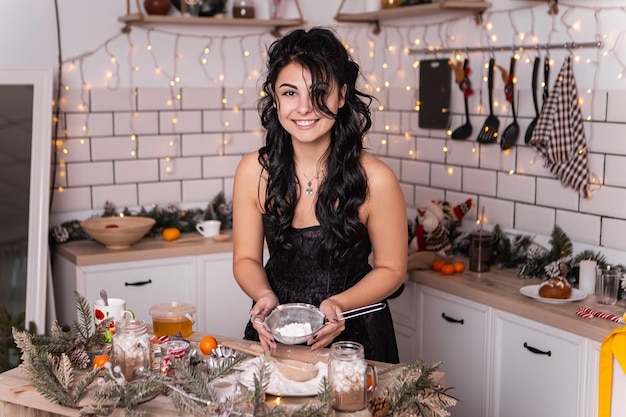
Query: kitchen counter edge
x=89, y=252
x=500, y=289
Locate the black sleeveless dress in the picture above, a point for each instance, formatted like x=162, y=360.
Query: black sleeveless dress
x=297, y=277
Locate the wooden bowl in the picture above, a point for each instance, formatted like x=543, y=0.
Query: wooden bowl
x=117, y=232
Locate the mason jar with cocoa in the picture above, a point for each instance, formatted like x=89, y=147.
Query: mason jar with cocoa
x=350, y=376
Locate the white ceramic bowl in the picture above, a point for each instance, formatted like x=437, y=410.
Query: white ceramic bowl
x=118, y=232
x=299, y=313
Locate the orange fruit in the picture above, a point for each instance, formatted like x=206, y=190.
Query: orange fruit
x=207, y=344
x=438, y=264
x=447, y=269
x=458, y=266
x=170, y=234
x=100, y=360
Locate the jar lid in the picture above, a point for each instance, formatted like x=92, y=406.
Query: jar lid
x=172, y=309
x=131, y=325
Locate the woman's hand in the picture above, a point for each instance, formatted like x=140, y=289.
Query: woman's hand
x=259, y=311
x=332, y=329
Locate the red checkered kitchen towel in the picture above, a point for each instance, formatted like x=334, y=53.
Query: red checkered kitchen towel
x=559, y=135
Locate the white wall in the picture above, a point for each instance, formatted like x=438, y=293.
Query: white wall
x=188, y=162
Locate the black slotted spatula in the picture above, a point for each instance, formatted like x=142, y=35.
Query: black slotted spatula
x=489, y=131
x=533, y=122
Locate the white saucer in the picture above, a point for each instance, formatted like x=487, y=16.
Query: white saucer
x=532, y=291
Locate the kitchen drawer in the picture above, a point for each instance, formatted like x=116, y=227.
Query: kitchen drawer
x=142, y=283
x=549, y=382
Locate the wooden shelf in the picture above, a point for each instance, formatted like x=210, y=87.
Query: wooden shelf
x=142, y=19
x=377, y=16
x=139, y=18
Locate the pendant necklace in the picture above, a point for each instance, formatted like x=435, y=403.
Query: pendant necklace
x=309, y=185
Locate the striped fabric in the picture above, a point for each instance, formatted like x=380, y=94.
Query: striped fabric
x=559, y=135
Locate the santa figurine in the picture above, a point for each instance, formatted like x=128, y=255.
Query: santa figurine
x=433, y=224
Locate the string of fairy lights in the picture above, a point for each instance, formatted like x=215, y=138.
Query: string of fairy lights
x=386, y=61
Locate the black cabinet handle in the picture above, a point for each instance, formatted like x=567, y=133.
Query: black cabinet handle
x=138, y=283
x=537, y=351
x=451, y=320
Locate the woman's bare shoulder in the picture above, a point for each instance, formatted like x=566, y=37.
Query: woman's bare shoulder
x=376, y=170
x=249, y=164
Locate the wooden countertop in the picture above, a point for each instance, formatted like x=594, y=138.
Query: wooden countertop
x=89, y=252
x=23, y=403
x=500, y=289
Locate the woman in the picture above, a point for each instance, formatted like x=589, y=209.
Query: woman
x=319, y=200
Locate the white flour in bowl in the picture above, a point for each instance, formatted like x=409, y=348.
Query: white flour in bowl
x=295, y=330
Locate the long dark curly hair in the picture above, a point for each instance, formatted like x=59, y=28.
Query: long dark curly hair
x=344, y=188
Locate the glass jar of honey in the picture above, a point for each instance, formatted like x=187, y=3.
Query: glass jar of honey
x=170, y=319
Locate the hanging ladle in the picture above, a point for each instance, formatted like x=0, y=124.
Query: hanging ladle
x=464, y=131
x=511, y=133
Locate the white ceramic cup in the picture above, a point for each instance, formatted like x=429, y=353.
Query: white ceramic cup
x=209, y=228
x=224, y=390
x=116, y=309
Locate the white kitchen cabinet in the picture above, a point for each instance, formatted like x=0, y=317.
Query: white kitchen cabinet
x=140, y=283
x=456, y=331
x=225, y=307
x=538, y=370
x=404, y=313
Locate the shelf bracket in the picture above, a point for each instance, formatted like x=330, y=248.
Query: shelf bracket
x=478, y=18
x=376, y=29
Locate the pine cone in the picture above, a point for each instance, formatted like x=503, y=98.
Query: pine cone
x=379, y=407
x=80, y=358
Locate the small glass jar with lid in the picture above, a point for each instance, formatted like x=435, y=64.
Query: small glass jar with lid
x=131, y=347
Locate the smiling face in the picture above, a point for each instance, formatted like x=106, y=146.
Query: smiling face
x=296, y=110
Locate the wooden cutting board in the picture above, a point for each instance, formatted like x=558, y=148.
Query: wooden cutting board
x=434, y=94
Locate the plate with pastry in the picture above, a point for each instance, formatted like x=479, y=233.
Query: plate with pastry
x=556, y=290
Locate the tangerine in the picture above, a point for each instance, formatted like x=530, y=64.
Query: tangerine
x=207, y=344
x=447, y=269
x=438, y=264
x=170, y=234
x=458, y=266
x=100, y=360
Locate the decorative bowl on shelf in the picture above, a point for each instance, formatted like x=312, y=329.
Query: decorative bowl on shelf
x=117, y=232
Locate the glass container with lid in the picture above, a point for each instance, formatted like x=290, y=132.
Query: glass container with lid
x=169, y=319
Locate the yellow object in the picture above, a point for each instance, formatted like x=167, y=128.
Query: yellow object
x=614, y=345
x=170, y=234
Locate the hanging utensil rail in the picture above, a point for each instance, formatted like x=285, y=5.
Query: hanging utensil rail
x=536, y=47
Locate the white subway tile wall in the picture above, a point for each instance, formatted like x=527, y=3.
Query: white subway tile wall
x=152, y=146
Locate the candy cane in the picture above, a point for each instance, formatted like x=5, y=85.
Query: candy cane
x=589, y=313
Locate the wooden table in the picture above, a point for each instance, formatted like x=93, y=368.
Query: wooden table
x=29, y=403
